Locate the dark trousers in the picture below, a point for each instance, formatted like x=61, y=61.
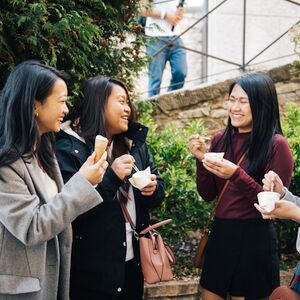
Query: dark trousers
x=132, y=290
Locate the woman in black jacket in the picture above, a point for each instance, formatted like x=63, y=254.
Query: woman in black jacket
x=105, y=257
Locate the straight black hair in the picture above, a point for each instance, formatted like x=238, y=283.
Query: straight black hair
x=19, y=135
x=88, y=115
x=265, y=121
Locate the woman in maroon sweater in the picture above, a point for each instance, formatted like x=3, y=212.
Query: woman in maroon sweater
x=241, y=254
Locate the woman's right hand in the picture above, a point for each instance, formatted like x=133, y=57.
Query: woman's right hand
x=273, y=182
x=197, y=146
x=93, y=172
x=123, y=165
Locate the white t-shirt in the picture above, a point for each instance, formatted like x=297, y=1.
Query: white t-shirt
x=130, y=205
x=160, y=27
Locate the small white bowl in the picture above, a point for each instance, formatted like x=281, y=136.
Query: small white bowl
x=141, y=179
x=214, y=155
x=266, y=200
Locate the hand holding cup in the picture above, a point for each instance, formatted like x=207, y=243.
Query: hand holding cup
x=144, y=181
x=283, y=210
x=221, y=167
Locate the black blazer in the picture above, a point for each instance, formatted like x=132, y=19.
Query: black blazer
x=99, y=237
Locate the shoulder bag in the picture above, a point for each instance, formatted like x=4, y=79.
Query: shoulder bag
x=156, y=257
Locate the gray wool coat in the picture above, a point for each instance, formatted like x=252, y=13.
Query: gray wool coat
x=295, y=199
x=35, y=231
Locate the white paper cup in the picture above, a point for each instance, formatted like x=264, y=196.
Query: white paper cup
x=141, y=179
x=100, y=146
x=266, y=200
x=214, y=155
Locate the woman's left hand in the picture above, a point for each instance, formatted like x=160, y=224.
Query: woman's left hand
x=222, y=168
x=283, y=210
x=149, y=189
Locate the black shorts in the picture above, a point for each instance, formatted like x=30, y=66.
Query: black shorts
x=241, y=259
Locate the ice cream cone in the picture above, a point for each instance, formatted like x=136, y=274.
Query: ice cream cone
x=100, y=146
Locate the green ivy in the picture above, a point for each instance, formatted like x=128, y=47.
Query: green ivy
x=84, y=38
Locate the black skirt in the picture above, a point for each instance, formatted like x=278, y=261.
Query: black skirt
x=241, y=259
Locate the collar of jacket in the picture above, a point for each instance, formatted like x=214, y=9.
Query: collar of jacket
x=136, y=132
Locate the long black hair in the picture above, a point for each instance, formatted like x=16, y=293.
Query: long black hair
x=265, y=120
x=19, y=135
x=88, y=115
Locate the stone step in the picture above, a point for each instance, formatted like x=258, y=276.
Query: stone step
x=189, y=289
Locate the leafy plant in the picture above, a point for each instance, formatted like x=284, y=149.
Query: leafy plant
x=84, y=38
x=178, y=170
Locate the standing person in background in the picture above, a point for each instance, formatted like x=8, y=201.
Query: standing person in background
x=36, y=209
x=105, y=255
x=162, y=26
x=248, y=267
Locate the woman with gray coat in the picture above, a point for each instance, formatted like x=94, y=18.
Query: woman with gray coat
x=287, y=208
x=36, y=209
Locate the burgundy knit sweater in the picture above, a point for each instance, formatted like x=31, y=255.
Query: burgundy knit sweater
x=241, y=193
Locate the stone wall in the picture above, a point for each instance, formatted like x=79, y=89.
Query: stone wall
x=208, y=100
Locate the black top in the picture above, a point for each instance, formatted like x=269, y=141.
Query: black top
x=99, y=237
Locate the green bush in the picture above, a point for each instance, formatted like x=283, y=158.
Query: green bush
x=178, y=169
x=84, y=38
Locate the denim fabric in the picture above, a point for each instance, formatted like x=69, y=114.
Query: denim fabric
x=177, y=58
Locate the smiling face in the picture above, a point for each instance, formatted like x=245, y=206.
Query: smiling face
x=50, y=113
x=239, y=109
x=117, y=111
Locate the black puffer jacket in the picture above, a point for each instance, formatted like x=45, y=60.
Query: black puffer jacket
x=99, y=237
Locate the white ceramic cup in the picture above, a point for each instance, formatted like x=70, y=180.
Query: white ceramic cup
x=266, y=200
x=141, y=179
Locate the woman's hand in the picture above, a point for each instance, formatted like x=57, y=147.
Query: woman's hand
x=197, y=146
x=93, y=172
x=222, y=168
x=283, y=210
x=272, y=182
x=122, y=165
x=149, y=189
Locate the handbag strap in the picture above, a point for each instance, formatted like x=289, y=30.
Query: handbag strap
x=144, y=231
x=213, y=212
x=158, y=224
x=128, y=219
x=294, y=280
